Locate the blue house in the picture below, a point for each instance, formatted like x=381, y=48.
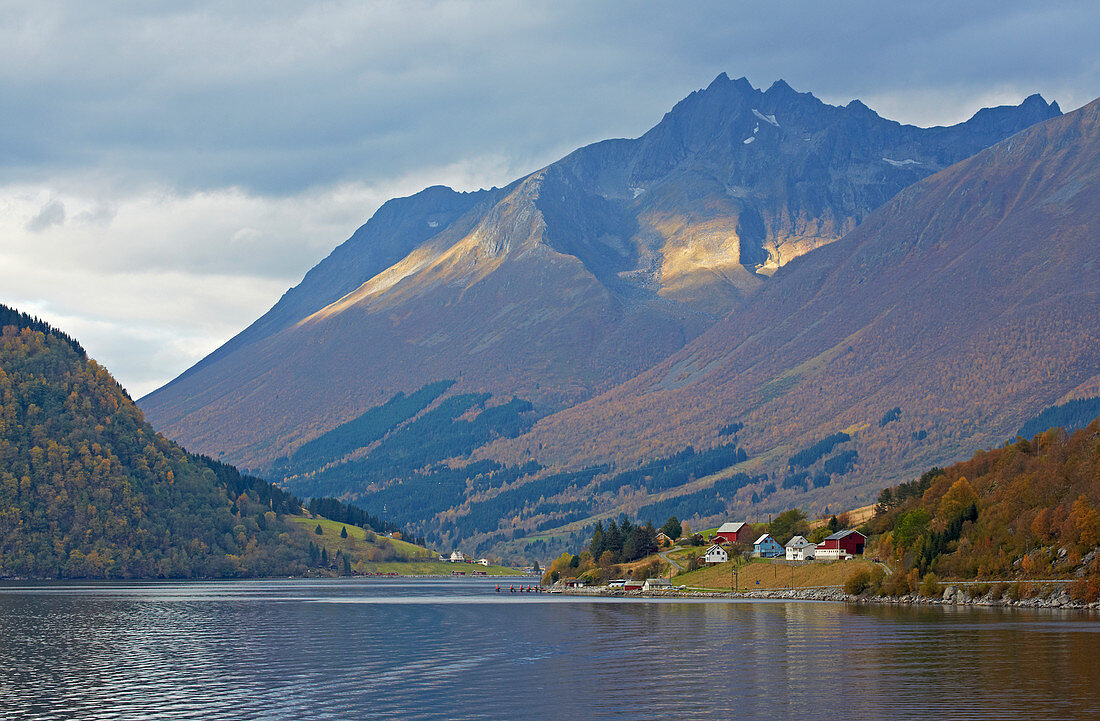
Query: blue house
x=767, y=547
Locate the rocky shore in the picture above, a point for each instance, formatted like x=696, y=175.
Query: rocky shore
x=951, y=596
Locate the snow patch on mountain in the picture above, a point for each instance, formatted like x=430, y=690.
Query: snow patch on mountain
x=766, y=118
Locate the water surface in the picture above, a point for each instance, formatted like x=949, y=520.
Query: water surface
x=456, y=649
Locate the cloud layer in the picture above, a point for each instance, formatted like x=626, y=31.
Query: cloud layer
x=166, y=172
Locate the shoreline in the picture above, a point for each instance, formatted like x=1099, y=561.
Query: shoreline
x=953, y=596
x=214, y=579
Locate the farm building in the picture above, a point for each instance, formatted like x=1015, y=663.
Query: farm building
x=842, y=544
x=766, y=547
x=733, y=533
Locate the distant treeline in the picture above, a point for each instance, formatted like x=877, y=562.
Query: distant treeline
x=11, y=316
x=1071, y=416
x=889, y=417
x=705, y=502
x=406, y=450
x=810, y=455
x=258, y=489
x=676, y=470
x=362, y=431
x=335, y=510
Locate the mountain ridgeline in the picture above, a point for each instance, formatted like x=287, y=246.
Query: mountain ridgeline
x=953, y=314
x=765, y=301
x=570, y=280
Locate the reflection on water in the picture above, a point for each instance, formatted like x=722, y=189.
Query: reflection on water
x=455, y=649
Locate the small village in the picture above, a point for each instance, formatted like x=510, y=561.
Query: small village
x=840, y=546
x=736, y=555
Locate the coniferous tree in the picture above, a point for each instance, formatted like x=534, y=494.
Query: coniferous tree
x=672, y=528
x=598, y=543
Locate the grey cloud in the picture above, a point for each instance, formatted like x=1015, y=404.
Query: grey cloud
x=280, y=97
x=101, y=216
x=51, y=214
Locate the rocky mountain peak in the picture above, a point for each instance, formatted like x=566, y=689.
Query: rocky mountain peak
x=605, y=261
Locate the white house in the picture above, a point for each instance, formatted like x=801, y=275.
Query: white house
x=766, y=547
x=656, y=584
x=482, y=561
x=799, y=549
x=715, y=554
x=458, y=557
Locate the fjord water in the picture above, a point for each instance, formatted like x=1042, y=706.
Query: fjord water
x=456, y=649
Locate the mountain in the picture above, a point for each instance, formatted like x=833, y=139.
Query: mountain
x=951, y=315
x=569, y=281
x=89, y=489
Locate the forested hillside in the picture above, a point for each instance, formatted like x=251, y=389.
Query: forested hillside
x=89, y=489
x=1027, y=510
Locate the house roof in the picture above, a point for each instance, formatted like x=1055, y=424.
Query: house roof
x=798, y=542
x=842, y=534
x=714, y=547
x=763, y=538
x=730, y=528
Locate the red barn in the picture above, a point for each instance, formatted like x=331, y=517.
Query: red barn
x=848, y=541
x=734, y=533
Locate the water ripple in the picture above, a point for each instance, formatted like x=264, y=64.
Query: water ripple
x=443, y=649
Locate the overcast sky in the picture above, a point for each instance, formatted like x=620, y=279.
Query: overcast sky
x=166, y=173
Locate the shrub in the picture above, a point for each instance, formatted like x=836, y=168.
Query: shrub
x=998, y=591
x=900, y=584
x=930, y=586
x=864, y=581
x=1086, y=590
x=858, y=582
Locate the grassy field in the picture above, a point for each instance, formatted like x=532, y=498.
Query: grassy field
x=760, y=574
x=382, y=554
x=356, y=542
